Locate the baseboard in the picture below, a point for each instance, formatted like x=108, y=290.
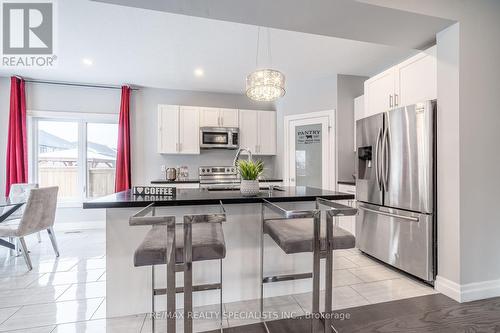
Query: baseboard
x=467, y=292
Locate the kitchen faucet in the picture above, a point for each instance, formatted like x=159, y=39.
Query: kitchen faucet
x=238, y=153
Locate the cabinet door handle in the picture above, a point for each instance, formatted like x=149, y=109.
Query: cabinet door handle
x=396, y=99
x=222, y=121
x=390, y=101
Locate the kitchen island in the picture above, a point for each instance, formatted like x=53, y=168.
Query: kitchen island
x=128, y=288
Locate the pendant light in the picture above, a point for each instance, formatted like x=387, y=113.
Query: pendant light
x=265, y=84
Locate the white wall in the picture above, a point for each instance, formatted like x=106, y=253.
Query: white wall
x=309, y=96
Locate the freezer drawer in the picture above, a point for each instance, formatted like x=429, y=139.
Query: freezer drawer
x=400, y=238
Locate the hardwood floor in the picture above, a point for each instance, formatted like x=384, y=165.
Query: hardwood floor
x=433, y=313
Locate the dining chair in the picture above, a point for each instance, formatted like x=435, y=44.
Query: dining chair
x=20, y=191
x=39, y=214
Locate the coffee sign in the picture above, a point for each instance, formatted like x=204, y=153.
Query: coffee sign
x=154, y=190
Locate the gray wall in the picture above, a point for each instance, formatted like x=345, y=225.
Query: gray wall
x=146, y=162
x=309, y=96
x=348, y=88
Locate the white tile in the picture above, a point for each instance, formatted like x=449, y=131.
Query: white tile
x=84, y=290
x=389, y=290
x=362, y=260
x=27, y=296
x=344, y=277
x=205, y=318
x=343, y=297
x=51, y=313
x=129, y=324
x=19, y=281
x=374, y=273
x=87, y=264
x=43, y=329
x=248, y=312
x=343, y=263
x=7, y=312
x=69, y=277
x=100, y=313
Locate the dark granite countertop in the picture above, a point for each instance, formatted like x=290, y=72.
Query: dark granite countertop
x=196, y=181
x=347, y=182
x=185, y=197
x=184, y=181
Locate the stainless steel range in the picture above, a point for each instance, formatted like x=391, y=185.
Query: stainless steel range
x=219, y=177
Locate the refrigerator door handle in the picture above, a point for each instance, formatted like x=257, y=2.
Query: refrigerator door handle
x=409, y=218
x=386, y=156
x=377, y=158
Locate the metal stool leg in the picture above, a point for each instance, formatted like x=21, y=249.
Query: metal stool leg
x=188, y=276
x=171, y=276
x=316, y=272
x=329, y=273
x=153, y=313
x=220, y=296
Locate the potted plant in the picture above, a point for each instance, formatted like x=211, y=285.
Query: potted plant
x=250, y=171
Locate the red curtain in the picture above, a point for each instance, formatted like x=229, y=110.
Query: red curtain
x=17, y=147
x=123, y=175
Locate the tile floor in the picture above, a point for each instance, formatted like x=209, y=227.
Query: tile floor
x=67, y=294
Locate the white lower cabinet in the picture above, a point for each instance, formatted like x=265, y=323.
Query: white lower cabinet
x=178, y=129
x=348, y=222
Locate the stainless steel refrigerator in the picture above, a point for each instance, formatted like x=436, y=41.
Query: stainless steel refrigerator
x=396, y=188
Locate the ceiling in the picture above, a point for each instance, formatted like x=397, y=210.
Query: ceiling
x=158, y=49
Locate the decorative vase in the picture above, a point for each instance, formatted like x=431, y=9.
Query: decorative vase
x=249, y=188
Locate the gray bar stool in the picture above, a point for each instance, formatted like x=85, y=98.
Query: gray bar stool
x=198, y=238
x=301, y=231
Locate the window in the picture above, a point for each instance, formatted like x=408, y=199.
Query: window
x=77, y=155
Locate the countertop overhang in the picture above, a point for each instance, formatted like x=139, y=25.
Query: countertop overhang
x=189, y=197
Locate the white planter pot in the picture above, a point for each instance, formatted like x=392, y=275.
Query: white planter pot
x=249, y=188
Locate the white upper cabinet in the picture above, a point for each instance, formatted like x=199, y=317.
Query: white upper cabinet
x=412, y=81
x=168, y=129
x=216, y=117
x=267, y=133
x=379, y=92
x=178, y=129
x=189, y=130
x=416, y=78
x=258, y=131
x=229, y=117
x=248, y=130
x=209, y=117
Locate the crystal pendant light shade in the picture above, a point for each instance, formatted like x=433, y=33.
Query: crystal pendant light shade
x=265, y=85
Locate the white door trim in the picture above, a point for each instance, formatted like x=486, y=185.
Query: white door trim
x=332, y=144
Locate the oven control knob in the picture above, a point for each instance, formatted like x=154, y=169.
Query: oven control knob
x=202, y=170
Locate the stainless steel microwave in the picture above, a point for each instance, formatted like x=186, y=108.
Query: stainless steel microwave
x=219, y=137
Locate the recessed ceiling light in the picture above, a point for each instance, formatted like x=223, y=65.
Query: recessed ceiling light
x=199, y=72
x=87, y=61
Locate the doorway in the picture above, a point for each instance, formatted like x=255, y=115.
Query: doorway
x=309, y=145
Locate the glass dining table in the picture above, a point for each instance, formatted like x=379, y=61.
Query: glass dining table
x=9, y=206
